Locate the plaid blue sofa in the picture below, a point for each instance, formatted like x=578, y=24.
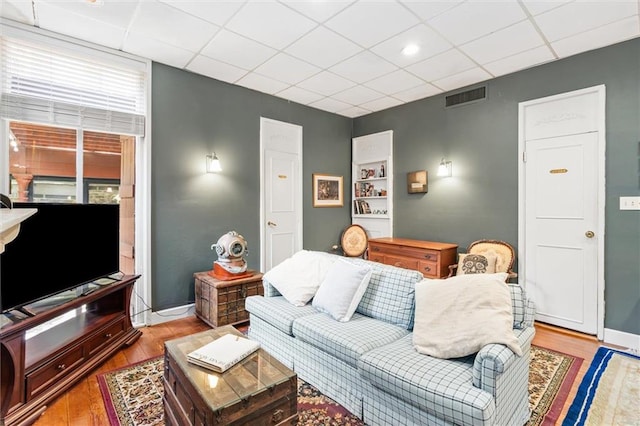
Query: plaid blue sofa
x=370, y=366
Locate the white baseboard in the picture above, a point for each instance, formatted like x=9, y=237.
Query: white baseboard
x=621, y=338
x=171, y=314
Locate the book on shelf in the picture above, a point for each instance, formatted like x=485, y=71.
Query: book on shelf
x=223, y=353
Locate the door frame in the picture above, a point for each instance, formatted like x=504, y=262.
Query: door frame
x=600, y=92
x=298, y=186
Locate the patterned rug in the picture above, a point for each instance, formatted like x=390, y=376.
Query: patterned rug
x=609, y=393
x=133, y=395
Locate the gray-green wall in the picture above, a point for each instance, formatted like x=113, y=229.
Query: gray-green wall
x=481, y=139
x=194, y=115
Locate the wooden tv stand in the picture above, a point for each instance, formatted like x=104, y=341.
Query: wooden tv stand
x=36, y=371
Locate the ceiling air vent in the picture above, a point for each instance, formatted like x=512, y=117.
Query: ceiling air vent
x=466, y=97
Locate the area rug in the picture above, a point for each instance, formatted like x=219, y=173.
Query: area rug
x=609, y=393
x=133, y=395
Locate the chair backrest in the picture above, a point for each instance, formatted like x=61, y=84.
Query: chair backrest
x=505, y=255
x=354, y=241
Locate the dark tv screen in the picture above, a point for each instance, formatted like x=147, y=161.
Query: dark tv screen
x=58, y=248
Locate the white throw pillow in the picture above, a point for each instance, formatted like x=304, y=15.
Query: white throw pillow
x=457, y=316
x=298, y=277
x=342, y=290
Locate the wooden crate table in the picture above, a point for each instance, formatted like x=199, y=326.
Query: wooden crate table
x=257, y=391
x=221, y=302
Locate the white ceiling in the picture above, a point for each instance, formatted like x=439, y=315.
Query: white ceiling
x=341, y=56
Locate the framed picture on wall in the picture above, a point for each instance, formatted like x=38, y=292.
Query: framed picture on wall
x=327, y=191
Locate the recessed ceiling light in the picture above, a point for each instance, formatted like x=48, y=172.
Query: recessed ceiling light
x=410, y=49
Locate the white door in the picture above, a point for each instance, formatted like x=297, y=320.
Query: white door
x=281, y=227
x=561, y=200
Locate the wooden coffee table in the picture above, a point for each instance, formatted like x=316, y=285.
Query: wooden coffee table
x=259, y=390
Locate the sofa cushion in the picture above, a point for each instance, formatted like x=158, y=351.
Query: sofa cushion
x=390, y=295
x=341, y=290
x=346, y=341
x=518, y=298
x=458, y=316
x=277, y=311
x=298, y=277
x=441, y=387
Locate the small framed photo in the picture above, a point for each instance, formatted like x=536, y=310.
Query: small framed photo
x=327, y=191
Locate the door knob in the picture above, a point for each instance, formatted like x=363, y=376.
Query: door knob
x=271, y=223
x=590, y=234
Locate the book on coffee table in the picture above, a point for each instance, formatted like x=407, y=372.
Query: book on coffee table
x=223, y=353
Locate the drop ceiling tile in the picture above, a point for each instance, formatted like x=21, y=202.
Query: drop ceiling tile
x=117, y=13
x=331, y=105
x=520, y=61
x=217, y=12
x=422, y=91
x=506, y=42
x=299, y=95
x=155, y=50
x=429, y=41
x=561, y=22
x=536, y=7
x=354, y=111
x=363, y=67
x=323, y=48
x=215, y=69
x=17, y=10
x=357, y=95
x=319, y=11
x=599, y=37
x=270, y=23
x=237, y=50
x=394, y=82
x=462, y=79
x=261, y=83
x=471, y=20
x=368, y=23
x=286, y=68
x=447, y=63
x=172, y=26
x=381, y=103
x=326, y=83
x=429, y=9
x=56, y=19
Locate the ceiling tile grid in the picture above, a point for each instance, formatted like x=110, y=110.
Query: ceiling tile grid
x=341, y=56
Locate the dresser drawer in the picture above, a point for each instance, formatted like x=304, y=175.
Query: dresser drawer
x=54, y=370
x=401, y=262
x=407, y=252
x=376, y=257
x=428, y=269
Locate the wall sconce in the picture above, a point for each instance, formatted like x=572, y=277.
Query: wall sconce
x=444, y=169
x=213, y=163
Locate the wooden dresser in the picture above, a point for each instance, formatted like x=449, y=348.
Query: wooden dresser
x=430, y=258
x=221, y=302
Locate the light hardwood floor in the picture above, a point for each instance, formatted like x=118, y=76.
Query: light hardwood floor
x=82, y=405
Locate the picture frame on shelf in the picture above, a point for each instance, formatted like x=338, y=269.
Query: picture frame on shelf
x=327, y=190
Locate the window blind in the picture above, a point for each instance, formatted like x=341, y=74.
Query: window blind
x=51, y=86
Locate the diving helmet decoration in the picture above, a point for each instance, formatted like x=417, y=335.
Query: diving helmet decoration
x=231, y=249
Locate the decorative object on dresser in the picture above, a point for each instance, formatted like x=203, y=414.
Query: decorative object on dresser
x=432, y=259
x=258, y=390
x=220, y=302
x=488, y=256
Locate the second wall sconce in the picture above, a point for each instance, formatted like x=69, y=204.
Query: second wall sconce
x=213, y=163
x=444, y=169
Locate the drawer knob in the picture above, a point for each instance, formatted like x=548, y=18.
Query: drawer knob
x=277, y=416
x=108, y=335
x=427, y=256
x=397, y=264
x=376, y=249
x=61, y=367
x=427, y=268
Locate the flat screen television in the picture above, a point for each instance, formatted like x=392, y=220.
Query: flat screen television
x=60, y=247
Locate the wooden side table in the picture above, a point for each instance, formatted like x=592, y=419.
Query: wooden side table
x=221, y=302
